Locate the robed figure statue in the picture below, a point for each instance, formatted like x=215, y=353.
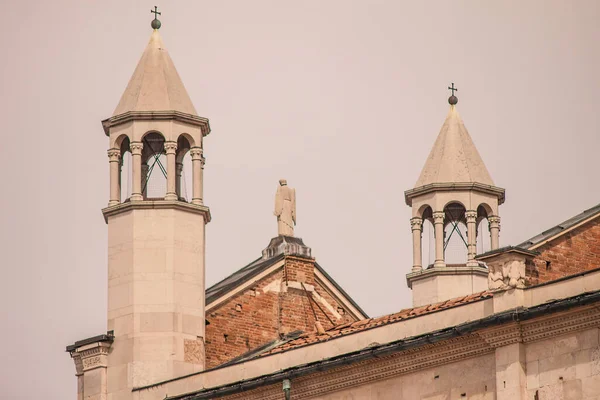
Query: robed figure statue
x=285, y=209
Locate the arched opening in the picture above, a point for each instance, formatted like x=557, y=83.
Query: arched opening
x=428, y=238
x=154, y=166
x=184, y=168
x=125, y=171
x=455, y=234
x=483, y=230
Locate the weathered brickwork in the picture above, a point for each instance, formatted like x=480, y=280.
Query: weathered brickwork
x=276, y=305
x=571, y=253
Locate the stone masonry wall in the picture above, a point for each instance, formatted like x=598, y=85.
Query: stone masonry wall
x=574, y=252
x=473, y=378
x=268, y=310
x=565, y=367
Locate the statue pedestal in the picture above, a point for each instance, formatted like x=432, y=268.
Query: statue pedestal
x=287, y=245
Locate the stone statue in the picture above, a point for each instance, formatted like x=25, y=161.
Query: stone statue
x=285, y=209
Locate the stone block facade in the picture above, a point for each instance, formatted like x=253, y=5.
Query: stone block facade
x=272, y=307
x=574, y=252
x=565, y=368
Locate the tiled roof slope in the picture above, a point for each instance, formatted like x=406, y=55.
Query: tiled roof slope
x=362, y=325
x=238, y=277
x=563, y=226
x=257, y=266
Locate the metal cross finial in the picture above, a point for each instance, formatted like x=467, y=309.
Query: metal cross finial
x=156, y=13
x=452, y=88
x=155, y=24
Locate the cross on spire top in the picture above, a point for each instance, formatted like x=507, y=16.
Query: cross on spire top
x=452, y=88
x=452, y=99
x=155, y=22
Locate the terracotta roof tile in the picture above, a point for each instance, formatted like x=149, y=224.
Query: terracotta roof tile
x=362, y=325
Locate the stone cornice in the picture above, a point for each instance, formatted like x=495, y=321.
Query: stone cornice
x=156, y=204
x=91, y=356
x=437, y=271
x=385, y=367
x=560, y=324
x=156, y=115
x=502, y=335
x=456, y=186
x=504, y=250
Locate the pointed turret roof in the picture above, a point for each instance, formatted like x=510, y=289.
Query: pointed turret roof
x=454, y=157
x=155, y=84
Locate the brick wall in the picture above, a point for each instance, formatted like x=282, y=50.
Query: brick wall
x=574, y=252
x=268, y=310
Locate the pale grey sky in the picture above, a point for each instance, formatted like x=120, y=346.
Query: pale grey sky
x=342, y=98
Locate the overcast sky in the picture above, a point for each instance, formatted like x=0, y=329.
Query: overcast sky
x=342, y=98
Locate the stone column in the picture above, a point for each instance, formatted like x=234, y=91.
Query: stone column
x=438, y=223
x=114, y=159
x=197, y=172
x=416, y=225
x=471, y=238
x=170, y=149
x=136, y=170
x=494, y=231
x=178, y=172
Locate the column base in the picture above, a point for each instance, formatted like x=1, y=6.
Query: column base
x=136, y=197
x=472, y=263
x=439, y=263
x=197, y=201
x=171, y=197
x=113, y=203
x=417, y=268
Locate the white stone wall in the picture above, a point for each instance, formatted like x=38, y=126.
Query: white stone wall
x=565, y=367
x=155, y=301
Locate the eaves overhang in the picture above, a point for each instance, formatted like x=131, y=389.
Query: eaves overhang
x=156, y=204
x=109, y=337
x=506, y=250
x=156, y=116
x=409, y=195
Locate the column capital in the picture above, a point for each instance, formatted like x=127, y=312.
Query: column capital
x=78, y=363
x=170, y=147
x=196, y=153
x=416, y=223
x=438, y=217
x=471, y=215
x=114, y=155
x=494, y=220
x=91, y=356
x=136, y=148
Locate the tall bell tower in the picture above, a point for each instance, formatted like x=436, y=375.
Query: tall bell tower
x=156, y=242
x=454, y=194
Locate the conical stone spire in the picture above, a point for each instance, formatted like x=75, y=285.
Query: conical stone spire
x=454, y=157
x=155, y=84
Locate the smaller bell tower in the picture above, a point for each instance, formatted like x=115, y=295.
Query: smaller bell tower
x=454, y=194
